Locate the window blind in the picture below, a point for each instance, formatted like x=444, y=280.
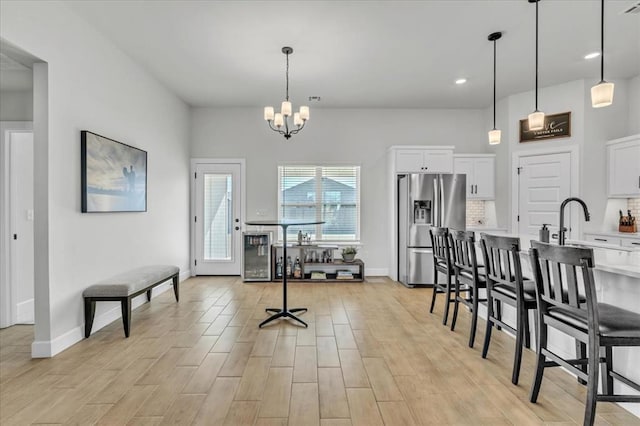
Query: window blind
x=329, y=194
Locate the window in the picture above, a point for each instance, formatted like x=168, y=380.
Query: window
x=329, y=194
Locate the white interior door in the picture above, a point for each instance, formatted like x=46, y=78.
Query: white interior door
x=218, y=221
x=544, y=182
x=21, y=227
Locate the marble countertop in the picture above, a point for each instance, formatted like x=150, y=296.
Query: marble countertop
x=615, y=234
x=609, y=258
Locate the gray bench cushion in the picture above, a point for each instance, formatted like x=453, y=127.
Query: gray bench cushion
x=131, y=282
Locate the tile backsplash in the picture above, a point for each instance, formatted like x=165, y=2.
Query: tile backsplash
x=633, y=204
x=476, y=213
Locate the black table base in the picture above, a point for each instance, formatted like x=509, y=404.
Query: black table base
x=283, y=312
x=279, y=313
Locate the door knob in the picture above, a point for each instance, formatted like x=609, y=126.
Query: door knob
x=237, y=228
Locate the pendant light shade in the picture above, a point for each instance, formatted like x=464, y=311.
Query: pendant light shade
x=536, y=118
x=602, y=93
x=494, y=134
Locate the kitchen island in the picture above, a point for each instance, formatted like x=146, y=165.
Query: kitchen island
x=617, y=276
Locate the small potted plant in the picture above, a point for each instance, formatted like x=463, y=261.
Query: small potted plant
x=349, y=253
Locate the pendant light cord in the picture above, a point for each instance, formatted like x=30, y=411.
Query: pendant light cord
x=287, y=72
x=602, y=41
x=537, y=1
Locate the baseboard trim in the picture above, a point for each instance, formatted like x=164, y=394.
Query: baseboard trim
x=50, y=348
x=24, y=312
x=377, y=272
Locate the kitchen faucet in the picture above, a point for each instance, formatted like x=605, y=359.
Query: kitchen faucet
x=562, y=231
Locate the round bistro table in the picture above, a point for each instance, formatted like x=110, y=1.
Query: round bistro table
x=284, y=312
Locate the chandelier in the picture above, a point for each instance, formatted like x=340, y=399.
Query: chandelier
x=281, y=119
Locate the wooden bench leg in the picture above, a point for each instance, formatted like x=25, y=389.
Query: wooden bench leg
x=176, y=290
x=126, y=315
x=89, y=314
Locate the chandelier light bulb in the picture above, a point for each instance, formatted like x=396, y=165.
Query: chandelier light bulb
x=494, y=136
x=268, y=113
x=286, y=108
x=536, y=120
x=297, y=120
x=279, y=120
x=304, y=113
x=602, y=94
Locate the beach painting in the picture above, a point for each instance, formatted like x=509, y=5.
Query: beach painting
x=114, y=175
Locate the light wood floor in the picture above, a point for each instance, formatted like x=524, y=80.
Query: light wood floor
x=372, y=355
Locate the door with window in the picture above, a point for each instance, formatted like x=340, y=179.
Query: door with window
x=544, y=181
x=217, y=219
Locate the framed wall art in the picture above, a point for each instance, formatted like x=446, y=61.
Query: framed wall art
x=555, y=126
x=114, y=175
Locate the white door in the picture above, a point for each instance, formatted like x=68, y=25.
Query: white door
x=218, y=220
x=544, y=182
x=21, y=218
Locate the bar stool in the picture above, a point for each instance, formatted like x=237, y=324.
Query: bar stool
x=505, y=284
x=465, y=265
x=598, y=325
x=442, y=262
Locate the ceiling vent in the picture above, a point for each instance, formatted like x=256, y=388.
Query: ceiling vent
x=633, y=8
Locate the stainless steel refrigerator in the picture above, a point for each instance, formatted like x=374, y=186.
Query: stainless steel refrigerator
x=426, y=200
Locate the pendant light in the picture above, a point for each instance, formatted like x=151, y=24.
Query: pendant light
x=602, y=93
x=536, y=118
x=494, y=134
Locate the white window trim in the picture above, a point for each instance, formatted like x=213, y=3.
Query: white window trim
x=354, y=242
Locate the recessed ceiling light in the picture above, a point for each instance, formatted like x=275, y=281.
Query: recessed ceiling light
x=461, y=81
x=592, y=55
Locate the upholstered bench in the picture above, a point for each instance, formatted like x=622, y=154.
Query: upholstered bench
x=124, y=287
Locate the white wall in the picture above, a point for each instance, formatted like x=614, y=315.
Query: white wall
x=16, y=105
x=333, y=136
x=92, y=85
x=590, y=129
x=634, y=104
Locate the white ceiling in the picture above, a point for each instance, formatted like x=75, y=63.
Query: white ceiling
x=398, y=54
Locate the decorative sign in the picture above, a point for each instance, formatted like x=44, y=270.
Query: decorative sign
x=555, y=126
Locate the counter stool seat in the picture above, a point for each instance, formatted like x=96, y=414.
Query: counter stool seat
x=615, y=322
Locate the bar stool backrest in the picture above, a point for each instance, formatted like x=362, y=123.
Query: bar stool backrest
x=502, y=261
x=441, y=244
x=557, y=270
x=464, y=251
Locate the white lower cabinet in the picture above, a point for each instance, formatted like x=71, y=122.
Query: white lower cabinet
x=624, y=241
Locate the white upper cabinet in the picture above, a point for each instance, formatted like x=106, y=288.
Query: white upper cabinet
x=480, y=171
x=624, y=167
x=423, y=160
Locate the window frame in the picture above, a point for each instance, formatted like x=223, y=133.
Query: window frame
x=318, y=202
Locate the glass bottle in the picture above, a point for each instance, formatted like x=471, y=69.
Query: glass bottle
x=279, y=268
x=297, y=269
x=289, y=267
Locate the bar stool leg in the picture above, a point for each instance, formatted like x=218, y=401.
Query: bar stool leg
x=455, y=304
x=540, y=360
x=487, y=333
x=435, y=289
x=517, y=360
x=447, y=300
x=581, y=353
x=474, y=315
x=592, y=382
